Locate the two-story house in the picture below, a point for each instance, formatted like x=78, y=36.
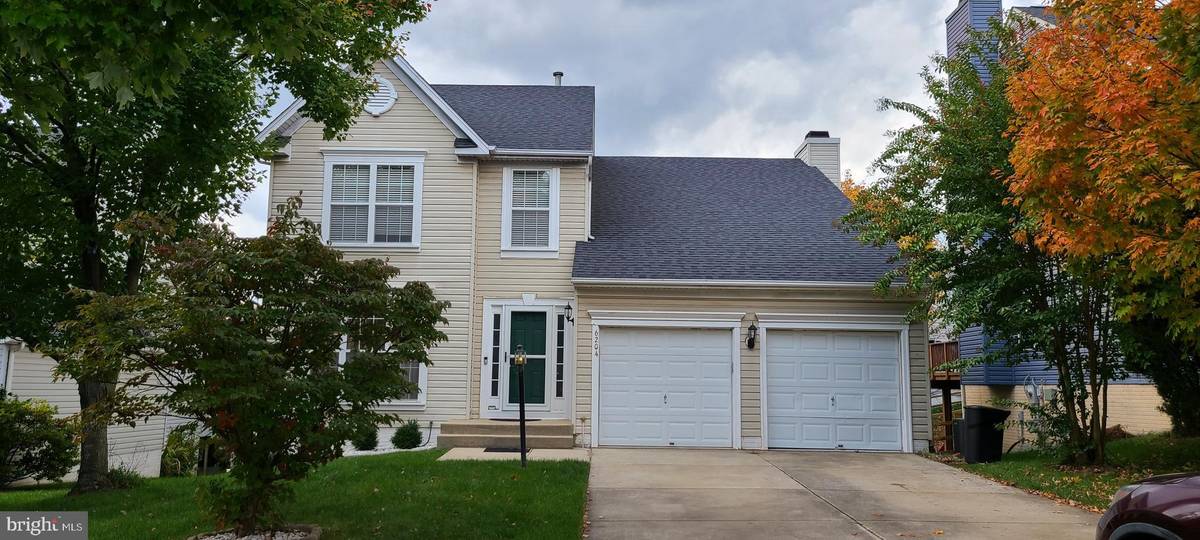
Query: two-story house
x=661, y=301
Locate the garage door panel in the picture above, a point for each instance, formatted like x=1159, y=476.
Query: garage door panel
x=814, y=404
x=883, y=373
x=831, y=388
x=690, y=368
x=848, y=372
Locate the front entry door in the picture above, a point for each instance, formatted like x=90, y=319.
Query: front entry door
x=543, y=330
x=528, y=329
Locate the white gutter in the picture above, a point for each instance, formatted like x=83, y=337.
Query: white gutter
x=532, y=152
x=728, y=283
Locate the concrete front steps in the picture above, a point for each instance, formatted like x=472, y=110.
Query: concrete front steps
x=483, y=433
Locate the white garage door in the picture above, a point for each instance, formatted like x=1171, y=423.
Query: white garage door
x=833, y=389
x=665, y=387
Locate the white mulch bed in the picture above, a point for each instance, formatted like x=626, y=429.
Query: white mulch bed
x=349, y=451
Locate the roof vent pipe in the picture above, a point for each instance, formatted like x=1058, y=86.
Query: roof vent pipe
x=558, y=78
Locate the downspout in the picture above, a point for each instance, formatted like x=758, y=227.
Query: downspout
x=587, y=208
x=471, y=312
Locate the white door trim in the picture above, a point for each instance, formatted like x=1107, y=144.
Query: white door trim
x=646, y=319
x=806, y=323
x=555, y=307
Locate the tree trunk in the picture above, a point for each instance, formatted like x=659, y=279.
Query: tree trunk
x=93, y=451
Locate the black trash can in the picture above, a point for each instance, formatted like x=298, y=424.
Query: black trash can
x=982, y=439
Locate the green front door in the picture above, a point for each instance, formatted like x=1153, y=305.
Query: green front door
x=528, y=328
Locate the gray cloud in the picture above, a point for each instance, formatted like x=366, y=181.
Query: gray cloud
x=695, y=78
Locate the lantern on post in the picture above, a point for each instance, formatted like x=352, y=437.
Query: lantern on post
x=519, y=361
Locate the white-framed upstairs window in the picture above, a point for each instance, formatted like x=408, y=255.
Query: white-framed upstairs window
x=530, y=212
x=373, y=201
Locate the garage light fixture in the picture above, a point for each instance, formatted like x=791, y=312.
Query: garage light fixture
x=751, y=336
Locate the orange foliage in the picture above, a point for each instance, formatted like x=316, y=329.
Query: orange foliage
x=849, y=188
x=1107, y=140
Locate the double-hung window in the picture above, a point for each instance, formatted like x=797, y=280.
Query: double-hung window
x=373, y=200
x=530, y=212
x=414, y=372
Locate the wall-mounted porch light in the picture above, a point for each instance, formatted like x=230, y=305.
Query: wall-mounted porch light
x=569, y=313
x=751, y=336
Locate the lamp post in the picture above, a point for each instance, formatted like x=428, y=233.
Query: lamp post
x=519, y=361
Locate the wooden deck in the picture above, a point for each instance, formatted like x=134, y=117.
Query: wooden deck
x=946, y=380
x=941, y=353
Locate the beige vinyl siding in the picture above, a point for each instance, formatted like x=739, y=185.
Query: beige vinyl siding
x=444, y=258
x=31, y=375
x=749, y=301
x=506, y=278
x=1137, y=408
x=1134, y=406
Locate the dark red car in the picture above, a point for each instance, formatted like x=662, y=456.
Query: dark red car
x=1163, y=507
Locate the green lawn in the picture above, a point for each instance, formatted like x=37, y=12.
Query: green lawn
x=400, y=495
x=1129, y=460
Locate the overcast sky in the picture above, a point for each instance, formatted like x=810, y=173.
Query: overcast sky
x=741, y=78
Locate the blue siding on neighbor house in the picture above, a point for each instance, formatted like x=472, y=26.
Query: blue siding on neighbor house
x=970, y=14
x=973, y=343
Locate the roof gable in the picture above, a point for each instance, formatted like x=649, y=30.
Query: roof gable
x=292, y=119
x=502, y=119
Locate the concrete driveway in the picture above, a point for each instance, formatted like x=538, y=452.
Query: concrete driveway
x=699, y=494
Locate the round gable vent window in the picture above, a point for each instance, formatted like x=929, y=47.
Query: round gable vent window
x=382, y=98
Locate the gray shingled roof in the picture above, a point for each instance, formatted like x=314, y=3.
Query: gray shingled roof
x=666, y=218
x=526, y=117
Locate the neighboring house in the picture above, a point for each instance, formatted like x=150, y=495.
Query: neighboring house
x=662, y=301
x=28, y=374
x=1133, y=402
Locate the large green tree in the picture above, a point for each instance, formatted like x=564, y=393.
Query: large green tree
x=113, y=112
x=1107, y=124
x=244, y=334
x=943, y=200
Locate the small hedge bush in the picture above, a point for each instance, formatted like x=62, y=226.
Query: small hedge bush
x=122, y=477
x=34, y=444
x=408, y=435
x=366, y=439
x=181, y=453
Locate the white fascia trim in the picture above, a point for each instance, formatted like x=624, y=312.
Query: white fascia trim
x=728, y=283
x=533, y=152
x=425, y=92
x=286, y=123
x=611, y=317
x=838, y=320
x=471, y=151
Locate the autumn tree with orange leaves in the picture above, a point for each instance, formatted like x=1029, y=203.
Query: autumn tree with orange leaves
x=1107, y=161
